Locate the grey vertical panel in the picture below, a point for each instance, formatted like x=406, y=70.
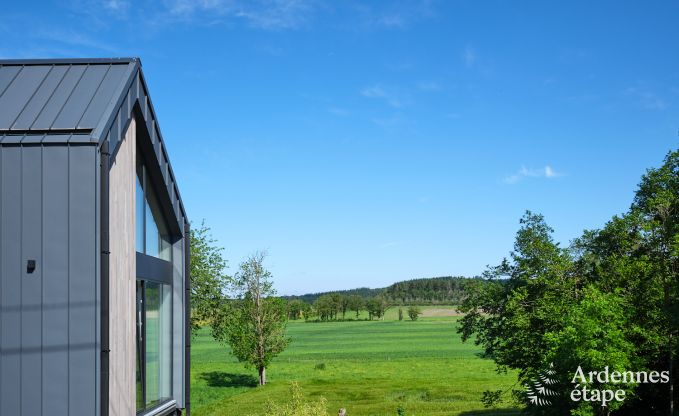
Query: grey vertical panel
x=10, y=281
x=36, y=104
x=31, y=283
x=57, y=100
x=55, y=280
x=82, y=284
x=80, y=98
x=18, y=94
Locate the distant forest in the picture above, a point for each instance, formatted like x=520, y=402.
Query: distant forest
x=435, y=290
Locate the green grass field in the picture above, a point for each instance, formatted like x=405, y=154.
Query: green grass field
x=370, y=369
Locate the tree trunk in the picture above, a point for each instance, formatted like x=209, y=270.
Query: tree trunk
x=262, y=376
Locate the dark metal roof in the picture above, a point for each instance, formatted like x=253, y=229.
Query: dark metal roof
x=79, y=101
x=43, y=97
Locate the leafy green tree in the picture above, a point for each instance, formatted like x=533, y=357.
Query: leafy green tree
x=657, y=202
x=414, y=312
x=524, y=299
x=326, y=307
x=208, y=276
x=296, y=309
x=400, y=313
x=343, y=304
x=376, y=307
x=592, y=338
x=253, y=324
x=356, y=304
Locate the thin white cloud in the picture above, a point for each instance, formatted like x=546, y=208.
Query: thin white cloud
x=261, y=14
x=429, y=86
x=469, y=56
x=395, y=15
x=388, y=95
x=73, y=38
x=342, y=112
x=647, y=98
x=546, y=172
x=390, y=244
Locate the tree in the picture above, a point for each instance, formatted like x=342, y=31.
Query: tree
x=296, y=309
x=523, y=299
x=208, y=276
x=376, y=307
x=343, y=304
x=326, y=307
x=414, y=312
x=657, y=202
x=400, y=313
x=355, y=303
x=253, y=323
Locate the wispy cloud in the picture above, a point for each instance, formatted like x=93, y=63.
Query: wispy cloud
x=388, y=95
x=262, y=14
x=394, y=15
x=342, y=112
x=546, y=172
x=429, y=86
x=390, y=244
x=647, y=98
x=74, y=38
x=469, y=56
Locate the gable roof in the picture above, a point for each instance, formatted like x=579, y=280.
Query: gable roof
x=81, y=101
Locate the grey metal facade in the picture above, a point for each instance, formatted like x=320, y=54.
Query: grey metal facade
x=49, y=317
x=56, y=116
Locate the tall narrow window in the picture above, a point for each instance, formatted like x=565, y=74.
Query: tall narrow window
x=154, y=296
x=152, y=232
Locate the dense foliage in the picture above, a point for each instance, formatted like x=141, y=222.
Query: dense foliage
x=362, y=292
x=608, y=300
x=437, y=290
x=208, y=276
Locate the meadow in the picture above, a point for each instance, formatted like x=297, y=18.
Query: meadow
x=368, y=367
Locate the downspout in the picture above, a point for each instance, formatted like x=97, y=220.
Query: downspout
x=187, y=318
x=104, y=282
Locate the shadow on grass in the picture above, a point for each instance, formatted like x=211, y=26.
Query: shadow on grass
x=492, y=412
x=223, y=379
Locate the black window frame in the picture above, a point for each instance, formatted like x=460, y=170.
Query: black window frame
x=152, y=269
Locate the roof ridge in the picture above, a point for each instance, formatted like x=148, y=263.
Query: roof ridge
x=66, y=61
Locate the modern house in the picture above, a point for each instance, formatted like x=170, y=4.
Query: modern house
x=94, y=247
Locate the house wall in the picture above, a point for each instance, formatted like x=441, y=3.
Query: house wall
x=49, y=319
x=122, y=277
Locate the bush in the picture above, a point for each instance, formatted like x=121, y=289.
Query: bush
x=320, y=366
x=414, y=312
x=297, y=406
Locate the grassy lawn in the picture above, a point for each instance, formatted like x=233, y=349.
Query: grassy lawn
x=370, y=368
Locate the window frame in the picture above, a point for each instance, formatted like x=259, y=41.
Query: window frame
x=152, y=269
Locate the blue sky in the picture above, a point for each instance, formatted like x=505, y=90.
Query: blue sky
x=362, y=143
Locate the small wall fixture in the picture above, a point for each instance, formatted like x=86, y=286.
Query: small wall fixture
x=30, y=266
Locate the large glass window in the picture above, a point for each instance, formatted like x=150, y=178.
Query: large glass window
x=154, y=298
x=152, y=235
x=154, y=344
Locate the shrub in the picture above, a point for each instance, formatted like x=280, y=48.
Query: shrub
x=320, y=366
x=297, y=406
x=414, y=312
